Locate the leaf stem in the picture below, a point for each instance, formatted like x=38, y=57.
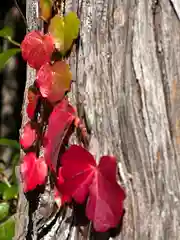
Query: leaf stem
x=6, y=181
x=13, y=42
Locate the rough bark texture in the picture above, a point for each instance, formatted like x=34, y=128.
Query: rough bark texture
x=127, y=72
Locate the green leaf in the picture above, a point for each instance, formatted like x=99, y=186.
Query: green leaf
x=72, y=23
x=15, y=161
x=3, y=187
x=9, y=142
x=6, y=32
x=5, y=56
x=64, y=30
x=4, y=210
x=7, y=229
x=10, y=193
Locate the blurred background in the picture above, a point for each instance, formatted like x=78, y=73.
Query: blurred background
x=12, y=83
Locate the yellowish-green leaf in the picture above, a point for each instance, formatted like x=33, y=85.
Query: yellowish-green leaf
x=72, y=24
x=56, y=28
x=6, y=32
x=5, y=56
x=64, y=30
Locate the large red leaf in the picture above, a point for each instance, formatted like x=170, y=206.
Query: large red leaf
x=33, y=171
x=54, y=80
x=37, y=48
x=105, y=203
x=77, y=172
x=60, y=121
x=83, y=178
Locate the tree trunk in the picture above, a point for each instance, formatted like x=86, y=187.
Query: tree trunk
x=127, y=72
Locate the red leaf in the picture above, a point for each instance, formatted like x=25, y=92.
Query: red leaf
x=37, y=48
x=60, y=121
x=32, y=103
x=58, y=196
x=82, y=178
x=77, y=172
x=33, y=170
x=28, y=136
x=105, y=203
x=54, y=80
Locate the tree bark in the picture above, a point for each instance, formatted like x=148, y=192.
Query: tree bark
x=127, y=73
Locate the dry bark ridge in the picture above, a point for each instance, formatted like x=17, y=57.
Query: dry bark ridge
x=127, y=71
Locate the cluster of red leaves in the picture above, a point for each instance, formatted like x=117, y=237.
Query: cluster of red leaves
x=77, y=175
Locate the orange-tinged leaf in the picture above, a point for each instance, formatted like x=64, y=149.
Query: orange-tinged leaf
x=54, y=80
x=64, y=30
x=45, y=9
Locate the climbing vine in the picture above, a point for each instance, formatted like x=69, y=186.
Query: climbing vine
x=45, y=138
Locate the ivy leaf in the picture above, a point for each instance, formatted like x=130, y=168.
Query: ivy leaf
x=64, y=30
x=78, y=168
x=33, y=170
x=105, y=196
x=72, y=24
x=6, y=32
x=9, y=143
x=10, y=193
x=59, y=198
x=37, y=48
x=56, y=29
x=7, y=229
x=60, y=121
x=3, y=187
x=5, y=56
x=54, y=80
x=45, y=9
x=82, y=178
x=4, y=210
x=28, y=136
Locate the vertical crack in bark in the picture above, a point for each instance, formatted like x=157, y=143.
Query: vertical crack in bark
x=157, y=26
x=156, y=11
x=144, y=113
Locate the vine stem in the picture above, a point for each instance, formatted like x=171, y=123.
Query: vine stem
x=13, y=42
x=22, y=15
